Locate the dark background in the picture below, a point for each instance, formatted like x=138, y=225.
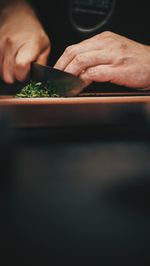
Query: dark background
x=130, y=18
x=77, y=196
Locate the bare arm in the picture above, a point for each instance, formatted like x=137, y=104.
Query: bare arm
x=23, y=40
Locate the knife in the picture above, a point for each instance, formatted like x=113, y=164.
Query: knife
x=65, y=83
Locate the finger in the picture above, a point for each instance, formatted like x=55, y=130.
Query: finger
x=1, y=64
x=97, y=42
x=72, y=51
x=102, y=73
x=25, y=56
x=86, y=82
x=8, y=63
x=8, y=68
x=1, y=57
x=43, y=58
x=89, y=59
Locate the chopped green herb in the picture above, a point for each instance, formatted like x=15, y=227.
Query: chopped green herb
x=39, y=89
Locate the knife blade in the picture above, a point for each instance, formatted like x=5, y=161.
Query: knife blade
x=66, y=84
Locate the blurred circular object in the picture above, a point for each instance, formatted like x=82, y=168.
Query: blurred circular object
x=88, y=16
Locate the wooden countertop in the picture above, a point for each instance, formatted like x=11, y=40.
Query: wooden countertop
x=77, y=111
x=10, y=100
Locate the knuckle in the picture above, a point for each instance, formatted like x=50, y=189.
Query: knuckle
x=120, y=47
x=110, y=37
x=47, y=40
x=43, y=37
x=106, y=34
x=91, y=72
x=70, y=51
x=20, y=64
x=79, y=59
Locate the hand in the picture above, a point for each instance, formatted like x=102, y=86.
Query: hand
x=23, y=41
x=108, y=57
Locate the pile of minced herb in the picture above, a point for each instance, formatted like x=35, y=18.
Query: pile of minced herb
x=39, y=89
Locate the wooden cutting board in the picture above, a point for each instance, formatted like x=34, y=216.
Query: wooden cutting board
x=77, y=111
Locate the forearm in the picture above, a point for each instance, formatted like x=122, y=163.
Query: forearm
x=9, y=4
x=11, y=7
x=17, y=12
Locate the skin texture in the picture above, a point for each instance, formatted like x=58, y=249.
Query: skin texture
x=108, y=57
x=23, y=41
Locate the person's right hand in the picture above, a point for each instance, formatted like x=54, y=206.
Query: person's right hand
x=22, y=41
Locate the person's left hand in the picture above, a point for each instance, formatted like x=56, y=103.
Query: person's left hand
x=108, y=57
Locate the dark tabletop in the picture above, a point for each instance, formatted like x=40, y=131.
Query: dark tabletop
x=75, y=196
